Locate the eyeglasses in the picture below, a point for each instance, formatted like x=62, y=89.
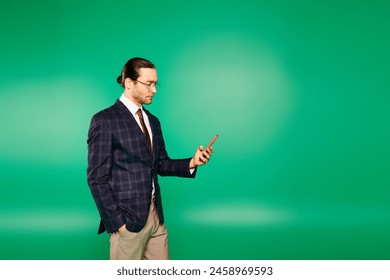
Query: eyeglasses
x=150, y=85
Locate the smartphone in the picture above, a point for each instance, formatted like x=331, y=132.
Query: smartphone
x=212, y=141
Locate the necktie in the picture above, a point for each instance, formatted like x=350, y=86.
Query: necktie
x=145, y=130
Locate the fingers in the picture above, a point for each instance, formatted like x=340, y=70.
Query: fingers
x=204, y=158
x=209, y=150
x=204, y=155
x=122, y=228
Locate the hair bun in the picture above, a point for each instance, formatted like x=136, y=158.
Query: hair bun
x=119, y=80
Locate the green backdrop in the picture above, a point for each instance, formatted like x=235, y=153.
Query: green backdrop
x=297, y=90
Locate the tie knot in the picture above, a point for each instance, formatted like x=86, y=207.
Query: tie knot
x=139, y=113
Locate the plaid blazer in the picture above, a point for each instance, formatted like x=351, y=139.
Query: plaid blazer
x=121, y=168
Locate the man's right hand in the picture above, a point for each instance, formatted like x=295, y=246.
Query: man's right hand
x=122, y=228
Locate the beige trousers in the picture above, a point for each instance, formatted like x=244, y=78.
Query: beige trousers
x=151, y=243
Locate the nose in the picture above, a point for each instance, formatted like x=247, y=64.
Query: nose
x=153, y=88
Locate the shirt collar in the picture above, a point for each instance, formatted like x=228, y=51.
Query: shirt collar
x=129, y=104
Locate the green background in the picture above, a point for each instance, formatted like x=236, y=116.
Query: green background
x=297, y=90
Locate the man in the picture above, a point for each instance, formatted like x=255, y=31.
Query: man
x=126, y=152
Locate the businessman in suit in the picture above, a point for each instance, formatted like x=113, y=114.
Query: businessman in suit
x=126, y=153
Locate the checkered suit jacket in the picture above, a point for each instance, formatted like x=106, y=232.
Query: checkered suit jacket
x=121, y=168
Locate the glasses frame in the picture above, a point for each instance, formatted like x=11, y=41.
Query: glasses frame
x=151, y=85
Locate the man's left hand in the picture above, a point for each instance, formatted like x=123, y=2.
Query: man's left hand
x=202, y=156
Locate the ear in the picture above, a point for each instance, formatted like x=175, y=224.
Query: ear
x=129, y=83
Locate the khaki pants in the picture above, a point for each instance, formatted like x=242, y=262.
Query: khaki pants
x=151, y=243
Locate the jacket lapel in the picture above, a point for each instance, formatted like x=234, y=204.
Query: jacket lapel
x=126, y=114
x=121, y=108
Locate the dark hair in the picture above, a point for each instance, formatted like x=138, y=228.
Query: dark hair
x=131, y=69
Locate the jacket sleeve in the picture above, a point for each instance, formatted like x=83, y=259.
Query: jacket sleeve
x=99, y=173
